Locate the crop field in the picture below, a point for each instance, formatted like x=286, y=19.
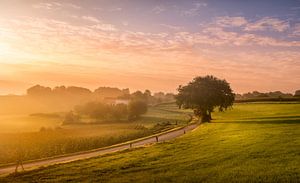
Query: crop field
x=253, y=142
x=40, y=136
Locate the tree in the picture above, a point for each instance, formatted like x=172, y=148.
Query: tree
x=105, y=92
x=38, y=91
x=297, y=93
x=147, y=93
x=71, y=118
x=203, y=95
x=138, y=95
x=136, y=108
x=119, y=111
x=78, y=91
x=96, y=110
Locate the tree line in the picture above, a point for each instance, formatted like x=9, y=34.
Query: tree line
x=259, y=95
x=101, y=93
x=101, y=111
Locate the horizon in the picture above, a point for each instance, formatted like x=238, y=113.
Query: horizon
x=155, y=45
x=131, y=91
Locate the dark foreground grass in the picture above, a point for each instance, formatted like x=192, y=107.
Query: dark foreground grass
x=251, y=143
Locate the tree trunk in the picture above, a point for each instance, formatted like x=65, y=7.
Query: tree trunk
x=209, y=115
x=205, y=117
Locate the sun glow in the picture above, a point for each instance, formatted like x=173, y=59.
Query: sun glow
x=4, y=50
x=108, y=48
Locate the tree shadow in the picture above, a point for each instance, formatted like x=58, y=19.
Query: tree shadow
x=153, y=118
x=276, y=117
x=265, y=121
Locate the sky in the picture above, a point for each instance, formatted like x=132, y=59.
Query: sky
x=149, y=44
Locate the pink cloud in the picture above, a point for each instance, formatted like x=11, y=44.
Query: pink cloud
x=135, y=58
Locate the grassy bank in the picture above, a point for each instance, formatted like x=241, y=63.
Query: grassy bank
x=250, y=143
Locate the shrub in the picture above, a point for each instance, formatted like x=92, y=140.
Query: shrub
x=71, y=118
x=136, y=108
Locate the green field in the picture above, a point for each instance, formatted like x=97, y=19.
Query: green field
x=22, y=133
x=253, y=142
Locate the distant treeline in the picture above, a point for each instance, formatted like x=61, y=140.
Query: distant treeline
x=42, y=99
x=101, y=93
x=59, y=91
x=256, y=96
x=294, y=99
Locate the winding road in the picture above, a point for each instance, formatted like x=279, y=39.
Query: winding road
x=101, y=151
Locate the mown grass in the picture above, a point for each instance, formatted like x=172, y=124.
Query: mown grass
x=251, y=143
x=56, y=139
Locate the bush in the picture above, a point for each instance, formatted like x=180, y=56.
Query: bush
x=136, y=108
x=71, y=118
x=119, y=111
x=97, y=110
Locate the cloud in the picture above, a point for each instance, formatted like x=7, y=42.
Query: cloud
x=74, y=6
x=48, y=6
x=172, y=27
x=158, y=9
x=296, y=30
x=296, y=8
x=108, y=9
x=99, y=25
x=263, y=24
x=104, y=27
x=55, y=6
x=112, y=54
x=63, y=38
x=91, y=19
x=116, y=9
x=195, y=10
x=222, y=37
x=268, y=23
x=125, y=23
x=227, y=21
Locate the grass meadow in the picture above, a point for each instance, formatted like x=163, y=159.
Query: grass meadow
x=42, y=136
x=253, y=142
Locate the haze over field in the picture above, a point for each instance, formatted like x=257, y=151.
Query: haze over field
x=154, y=45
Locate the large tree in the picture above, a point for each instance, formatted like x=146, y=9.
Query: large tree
x=203, y=95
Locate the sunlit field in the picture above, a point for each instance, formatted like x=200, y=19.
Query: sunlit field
x=253, y=142
x=43, y=135
x=27, y=123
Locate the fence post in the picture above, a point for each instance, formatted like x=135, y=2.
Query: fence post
x=156, y=137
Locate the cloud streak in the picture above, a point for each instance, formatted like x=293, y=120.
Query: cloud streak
x=158, y=9
x=92, y=51
x=268, y=23
x=55, y=6
x=194, y=11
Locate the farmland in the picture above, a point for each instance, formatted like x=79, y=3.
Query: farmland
x=253, y=142
x=43, y=135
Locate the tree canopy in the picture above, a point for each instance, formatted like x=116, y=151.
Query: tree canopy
x=137, y=108
x=203, y=95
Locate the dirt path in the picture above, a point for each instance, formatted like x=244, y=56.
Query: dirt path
x=68, y=158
